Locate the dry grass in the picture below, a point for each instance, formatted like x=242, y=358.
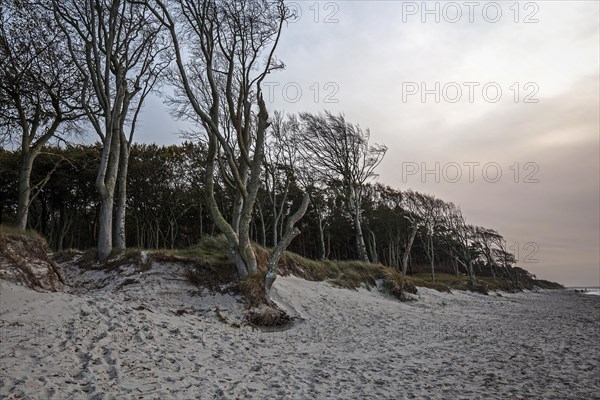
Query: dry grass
x=11, y=233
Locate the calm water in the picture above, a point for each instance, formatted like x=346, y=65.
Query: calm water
x=590, y=291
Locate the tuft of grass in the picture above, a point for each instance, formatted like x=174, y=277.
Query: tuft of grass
x=13, y=230
x=8, y=233
x=210, y=249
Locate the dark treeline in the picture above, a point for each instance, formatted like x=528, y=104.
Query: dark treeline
x=166, y=209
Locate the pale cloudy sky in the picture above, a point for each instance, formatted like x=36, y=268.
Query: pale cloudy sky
x=372, y=60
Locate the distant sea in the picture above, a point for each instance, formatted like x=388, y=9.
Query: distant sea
x=591, y=291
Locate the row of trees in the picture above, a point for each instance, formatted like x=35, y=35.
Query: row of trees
x=74, y=66
x=410, y=231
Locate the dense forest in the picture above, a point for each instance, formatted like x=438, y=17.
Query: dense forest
x=303, y=182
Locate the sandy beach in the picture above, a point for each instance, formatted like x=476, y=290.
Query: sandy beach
x=152, y=335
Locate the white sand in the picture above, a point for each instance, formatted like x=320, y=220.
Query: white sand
x=109, y=343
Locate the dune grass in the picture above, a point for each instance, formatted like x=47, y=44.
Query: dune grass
x=210, y=255
x=210, y=266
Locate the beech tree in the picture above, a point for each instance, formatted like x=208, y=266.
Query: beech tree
x=340, y=151
x=223, y=52
x=411, y=203
x=115, y=45
x=39, y=87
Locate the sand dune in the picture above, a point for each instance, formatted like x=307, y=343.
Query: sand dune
x=156, y=337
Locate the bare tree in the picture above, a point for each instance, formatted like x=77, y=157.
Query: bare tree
x=340, y=151
x=115, y=45
x=229, y=50
x=411, y=203
x=39, y=87
x=488, y=241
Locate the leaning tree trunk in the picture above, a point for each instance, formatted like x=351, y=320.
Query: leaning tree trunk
x=372, y=241
x=290, y=233
x=213, y=208
x=25, y=188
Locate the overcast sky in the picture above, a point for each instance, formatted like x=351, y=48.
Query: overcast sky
x=502, y=100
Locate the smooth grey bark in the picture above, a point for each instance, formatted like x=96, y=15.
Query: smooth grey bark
x=360, y=240
x=106, y=180
x=291, y=231
x=24, y=189
x=356, y=217
x=121, y=202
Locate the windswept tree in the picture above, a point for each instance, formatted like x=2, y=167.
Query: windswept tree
x=488, y=241
x=431, y=218
x=39, y=87
x=339, y=151
x=411, y=204
x=115, y=45
x=462, y=237
x=223, y=52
